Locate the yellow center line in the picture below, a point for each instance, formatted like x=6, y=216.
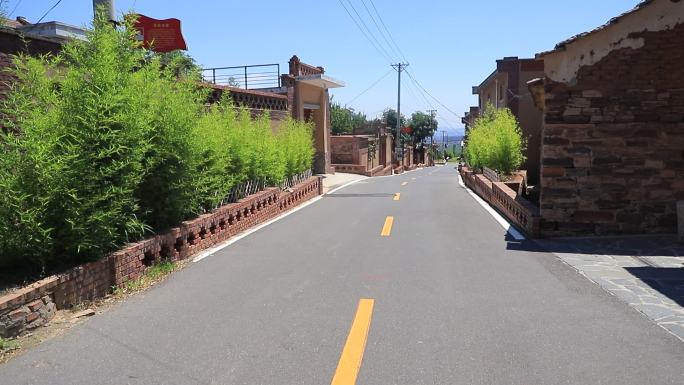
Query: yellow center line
x=404, y=183
x=387, y=228
x=397, y=196
x=352, y=354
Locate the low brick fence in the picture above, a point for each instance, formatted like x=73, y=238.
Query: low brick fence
x=34, y=305
x=361, y=170
x=516, y=208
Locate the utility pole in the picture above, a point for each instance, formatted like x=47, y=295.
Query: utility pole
x=399, y=67
x=109, y=7
x=432, y=125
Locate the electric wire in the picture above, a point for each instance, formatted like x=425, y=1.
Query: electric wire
x=387, y=30
x=371, y=86
x=15, y=7
x=382, y=34
x=430, y=95
x=48, y=11
x=364, y=33
x=370, y=33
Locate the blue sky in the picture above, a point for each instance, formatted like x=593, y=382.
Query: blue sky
x=450, y=45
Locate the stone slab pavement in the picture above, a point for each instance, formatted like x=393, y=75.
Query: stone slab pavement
x=647, y=272
x=332, y=181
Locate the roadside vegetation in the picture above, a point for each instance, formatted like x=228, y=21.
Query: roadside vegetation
x=344, y=119
x=495, y=141
x=154, y=274
x=107, y=143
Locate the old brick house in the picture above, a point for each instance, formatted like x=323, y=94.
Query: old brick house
x=506, y=88
x=367, y=151
x=613, y=133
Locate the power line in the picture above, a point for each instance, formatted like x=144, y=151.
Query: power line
x=398, y=55
x=371, y=86
x=48, y=11
x=387, y=30
x=422, y=94
x=15, y=7
x=430, y=95
x=370, y=33
x=384, y=55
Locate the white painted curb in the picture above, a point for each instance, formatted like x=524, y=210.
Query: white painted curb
x=238, y=237
x=502, y=221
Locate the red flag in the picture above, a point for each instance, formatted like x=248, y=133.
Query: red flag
x=160, y=35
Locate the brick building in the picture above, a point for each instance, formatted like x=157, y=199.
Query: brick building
x=613, y=132
x=506, y=88
x=307, y=91
x=367, y=151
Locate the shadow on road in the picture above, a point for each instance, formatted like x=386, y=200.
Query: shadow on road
x=662, y=255
x=668, y=281
x=371, y=195
x=636, y=246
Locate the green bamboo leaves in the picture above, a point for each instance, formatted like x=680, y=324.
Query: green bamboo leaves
x=495, y=141
x=103, y=145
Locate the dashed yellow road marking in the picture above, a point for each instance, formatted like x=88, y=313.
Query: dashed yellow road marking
x=397, y=196
x=387, y=228
x=352, y=354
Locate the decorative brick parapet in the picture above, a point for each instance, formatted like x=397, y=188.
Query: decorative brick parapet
x=252, y=99
x=94, y=280
x=500, y=195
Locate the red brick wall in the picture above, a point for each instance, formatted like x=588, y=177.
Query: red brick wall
x=95, y=279
x=613, y=142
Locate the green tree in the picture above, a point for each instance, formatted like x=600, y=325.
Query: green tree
x=495, y=141
x=390, y=118
x=422, y=126
x=179, y=64
x=344, y=119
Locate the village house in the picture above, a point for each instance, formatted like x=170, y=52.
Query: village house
x=301, y=93
x=367, y=151
x=506, y=88
x=613, y=134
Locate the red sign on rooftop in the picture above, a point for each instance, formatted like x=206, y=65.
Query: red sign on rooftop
x=160, y=35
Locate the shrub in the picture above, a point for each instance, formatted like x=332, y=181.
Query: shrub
x=85, y=128
x=105, y=145
x=296, y=143
x=495, y=141
x=164, y=196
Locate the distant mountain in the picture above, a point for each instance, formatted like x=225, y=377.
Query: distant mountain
x=449, y=139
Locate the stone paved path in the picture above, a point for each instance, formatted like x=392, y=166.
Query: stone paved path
x=646, y=272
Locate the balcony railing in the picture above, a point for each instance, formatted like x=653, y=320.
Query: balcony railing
x=250, y=77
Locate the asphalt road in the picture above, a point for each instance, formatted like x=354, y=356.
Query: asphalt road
x=454, y=302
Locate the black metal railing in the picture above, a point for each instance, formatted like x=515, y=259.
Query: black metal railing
x=248, y=77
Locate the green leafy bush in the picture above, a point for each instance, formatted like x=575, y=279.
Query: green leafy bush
x=296, y=144
x=495, y=141
x=85, y=126
x=105, y=145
